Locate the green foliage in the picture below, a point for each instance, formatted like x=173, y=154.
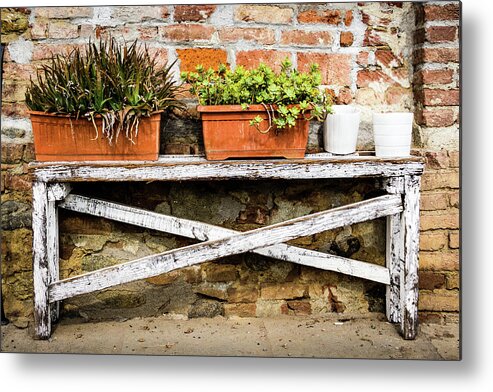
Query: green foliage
x=119, y=83
x=285, y=95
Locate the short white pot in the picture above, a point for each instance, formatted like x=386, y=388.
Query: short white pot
x=341, y=130
x=392, y=133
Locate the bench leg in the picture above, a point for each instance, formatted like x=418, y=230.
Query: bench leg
x=394, y=260
x=409, y=271
x=53, y=251
x=41, y=278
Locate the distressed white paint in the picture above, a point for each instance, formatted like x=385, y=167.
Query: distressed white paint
x=192, y=168
x=52, y=245
x=239, y=243
x=58, y=191
x=41, y=277
x=409, y=271
x=204, y=232
x=394, y=253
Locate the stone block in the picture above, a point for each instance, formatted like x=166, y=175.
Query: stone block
x=283, y=291
x=240, y=309
x=439, y=300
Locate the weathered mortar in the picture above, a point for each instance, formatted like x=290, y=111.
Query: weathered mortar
x=366, y=53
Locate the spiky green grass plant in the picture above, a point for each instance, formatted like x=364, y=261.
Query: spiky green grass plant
x=120, y=83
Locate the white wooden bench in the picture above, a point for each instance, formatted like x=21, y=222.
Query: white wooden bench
x=400, y=177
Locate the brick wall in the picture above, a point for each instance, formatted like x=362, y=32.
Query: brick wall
x=379, y=56
x=436, y=89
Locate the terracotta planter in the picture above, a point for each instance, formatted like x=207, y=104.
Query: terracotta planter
x=228, y=134
x=55, y=139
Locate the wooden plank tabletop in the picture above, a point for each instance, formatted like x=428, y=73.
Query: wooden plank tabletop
x=194, y=167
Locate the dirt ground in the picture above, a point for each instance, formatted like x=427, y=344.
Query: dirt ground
x=337, y=336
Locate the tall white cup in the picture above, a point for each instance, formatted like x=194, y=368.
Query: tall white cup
x=392, y=133
x=341, y=130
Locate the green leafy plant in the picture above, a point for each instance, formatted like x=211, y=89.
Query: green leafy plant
x=285, y=95
x=118, y=83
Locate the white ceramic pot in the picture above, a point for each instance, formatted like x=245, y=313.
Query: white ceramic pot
x=341, y=130
x=392, y=132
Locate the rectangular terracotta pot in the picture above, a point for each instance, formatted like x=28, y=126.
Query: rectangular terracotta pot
x=228, y=134
x=56, y=139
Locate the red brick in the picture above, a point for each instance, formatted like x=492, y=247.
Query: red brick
x=433, y=240
x=440, y=179
x=306, y=38
x=438, y=97
x=436, y=117
x=362, y=58
x=439, y=301
x=296, y=307
x=252, y=58
x=454, y=240
x=387, y=58
x=346, y=38
x=454, y=158
x=366, y=76
x=209, y=58
x=186, y=32
x=14, y=109
x=373, y=38
x=264, y=14
x=445, y=12
x=147, y=32
x=160, y=54
x=430, y=220
x=332, y=17
x=396, y=95
x=260, y=35
x=193, y=13
x=348, y=18
x=45, y=51
x=454, y=199
x=16, y=182
x=345, y=96
x=429, y=280
x=436, y=159
x=435, y=34
x=61, y=29
x=436, y=55
x=453, y=281
x=439, y=261
x=335, y=67
x=434, y=201
x=435, y=76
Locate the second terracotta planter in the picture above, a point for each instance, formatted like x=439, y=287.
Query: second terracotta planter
x=228, y=134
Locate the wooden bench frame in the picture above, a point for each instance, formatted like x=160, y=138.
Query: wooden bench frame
x=400, y=178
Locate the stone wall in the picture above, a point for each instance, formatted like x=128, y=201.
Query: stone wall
x=379, y=56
